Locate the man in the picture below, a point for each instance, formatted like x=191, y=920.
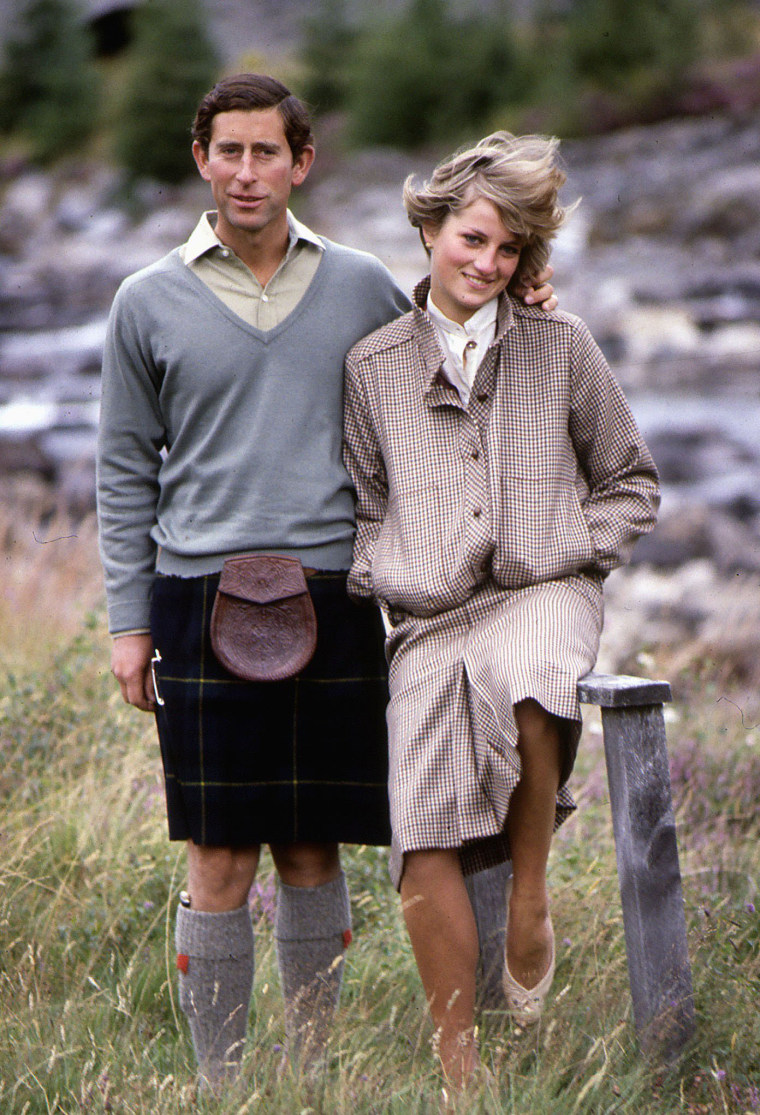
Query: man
x=220, y=435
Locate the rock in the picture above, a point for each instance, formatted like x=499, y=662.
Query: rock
x=725, y=206
x=657, y=331
x=688, y=451
x=697, y=532
x=728, y=295
x=24, y=455
x=684, y=618
x=646, y=607
x=75, y=484
x=26, y=207
x=25, y=356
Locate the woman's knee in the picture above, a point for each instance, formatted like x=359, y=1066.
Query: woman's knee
x=533, y=720
x=429, y=866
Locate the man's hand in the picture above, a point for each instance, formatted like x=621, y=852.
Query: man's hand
x=130, y=665
x=542, y=293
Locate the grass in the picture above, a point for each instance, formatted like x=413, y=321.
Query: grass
x=89, y=1020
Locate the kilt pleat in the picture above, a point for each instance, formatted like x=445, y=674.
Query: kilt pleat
x=454, y=681
x=301, y=760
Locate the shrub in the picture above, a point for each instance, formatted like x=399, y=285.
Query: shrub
x=172, y=64
x=426, y=75
x=610, y=40
x=48, y=81
x=329, y=41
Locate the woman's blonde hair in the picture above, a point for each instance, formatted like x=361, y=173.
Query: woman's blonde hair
x=519, y=174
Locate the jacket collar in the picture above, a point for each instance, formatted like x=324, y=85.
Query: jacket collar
x=428, y=340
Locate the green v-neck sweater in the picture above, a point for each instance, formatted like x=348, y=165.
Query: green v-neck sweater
x=217, y=438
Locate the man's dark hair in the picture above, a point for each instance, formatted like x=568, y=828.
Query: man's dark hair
x=254, y=91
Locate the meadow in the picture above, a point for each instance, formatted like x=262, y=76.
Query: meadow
x=89, y=1020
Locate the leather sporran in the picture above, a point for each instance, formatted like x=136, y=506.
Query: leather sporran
x=263, y=624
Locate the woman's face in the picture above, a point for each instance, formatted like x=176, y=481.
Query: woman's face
x=473, y=255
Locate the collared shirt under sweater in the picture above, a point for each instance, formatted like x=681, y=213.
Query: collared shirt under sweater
x=218, y=437
x=262, y=306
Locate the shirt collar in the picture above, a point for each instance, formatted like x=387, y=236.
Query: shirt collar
x=299, y=231
x=505, y=317
x=203, y=239
x=482, y=320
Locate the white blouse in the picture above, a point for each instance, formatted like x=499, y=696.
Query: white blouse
x=464, y=346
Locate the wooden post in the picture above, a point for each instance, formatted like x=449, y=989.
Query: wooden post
x=647, y=857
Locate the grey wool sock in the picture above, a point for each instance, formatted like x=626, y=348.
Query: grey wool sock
x=487, y=891
x=312, y=931
x=215, y=963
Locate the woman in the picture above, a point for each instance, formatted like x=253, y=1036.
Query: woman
x=500, y=476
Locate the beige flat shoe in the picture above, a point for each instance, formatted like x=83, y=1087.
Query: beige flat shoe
x=525, y=1005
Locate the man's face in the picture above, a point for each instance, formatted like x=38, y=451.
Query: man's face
x=251, y=170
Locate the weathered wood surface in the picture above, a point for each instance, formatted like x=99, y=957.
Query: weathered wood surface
x=488, y=896
x=647, y=857
x=649, y=875
x=621, y=691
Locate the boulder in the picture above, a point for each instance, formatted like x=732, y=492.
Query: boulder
x=695, y=532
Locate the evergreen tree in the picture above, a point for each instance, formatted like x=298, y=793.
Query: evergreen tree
x=172, y=64
x=394, y=86
x=48, y=81
x=329, y=40
x=429, y=75
x=612, y=41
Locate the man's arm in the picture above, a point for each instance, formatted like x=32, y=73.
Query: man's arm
x=130, y=436
x=128, y=459
x=542, y=293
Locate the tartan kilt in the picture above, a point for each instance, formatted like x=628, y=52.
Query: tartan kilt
x=301, y=760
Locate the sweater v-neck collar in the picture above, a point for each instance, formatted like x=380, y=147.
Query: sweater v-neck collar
x=263, y=335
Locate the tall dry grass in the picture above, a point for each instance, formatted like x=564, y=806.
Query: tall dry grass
x=88, y=886
x=51, y=572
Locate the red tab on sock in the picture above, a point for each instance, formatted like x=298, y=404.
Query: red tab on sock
x=183, y=962
x=347, y=938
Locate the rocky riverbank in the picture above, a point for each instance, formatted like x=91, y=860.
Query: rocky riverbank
x=662, y=259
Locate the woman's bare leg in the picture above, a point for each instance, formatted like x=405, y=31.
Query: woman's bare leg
x=530, y=825
x=444, y=939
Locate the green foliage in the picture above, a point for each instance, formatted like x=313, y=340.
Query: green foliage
x=329, y=40
x=432, y=73
x=88, y=888
x=48, y=81
x=610, y=41
x=172, y=64
x=614, y=62
x=422, y=76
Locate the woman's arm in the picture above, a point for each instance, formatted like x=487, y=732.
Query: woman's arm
x=624, y=493
x=364, y=461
